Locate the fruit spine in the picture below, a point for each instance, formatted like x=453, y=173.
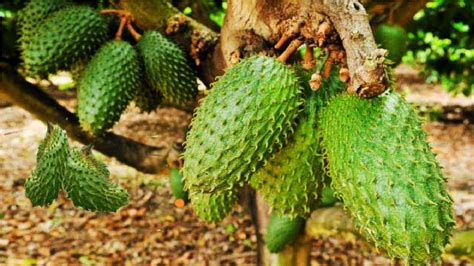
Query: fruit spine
x=383, y=169
x=213, y=207
x=32, y=16
x=245, y=118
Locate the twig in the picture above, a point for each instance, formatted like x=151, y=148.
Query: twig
x=364, y=60
x=137, y=36
x=308, y=58
x=282, y=40
x=294, y=45
x=123, y=21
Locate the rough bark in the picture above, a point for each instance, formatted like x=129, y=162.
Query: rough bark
x=15, y=89
x=364, y=59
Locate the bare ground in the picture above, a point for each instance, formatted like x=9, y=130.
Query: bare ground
x=151, y=231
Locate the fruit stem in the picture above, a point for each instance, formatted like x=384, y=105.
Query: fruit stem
x=137, y=36
x=282, y=40
x=329, y=62
x=113, y=11
x=295, y=44
x=308, y=58
x=123, y=21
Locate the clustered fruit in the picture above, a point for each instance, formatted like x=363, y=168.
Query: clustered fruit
x=58, y=35
x=76, y=171
x=261, y=124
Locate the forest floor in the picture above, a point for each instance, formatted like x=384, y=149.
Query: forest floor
x=151, y=230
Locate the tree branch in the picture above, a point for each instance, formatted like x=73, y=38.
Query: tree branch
x=15, y=89
x=364, y=59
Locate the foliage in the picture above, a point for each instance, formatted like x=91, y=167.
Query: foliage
x=441, y=40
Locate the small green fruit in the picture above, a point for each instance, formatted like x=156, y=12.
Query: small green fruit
x=394, y=39
x=282, y=230
x=177, y=185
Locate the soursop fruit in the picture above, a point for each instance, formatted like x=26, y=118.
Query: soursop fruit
x=213, y=207
x=166, y=68
x=65, y=37
x=147, y=98
x=32, y=16
x=247, y=116
x=383, y=169
x=107, y=85
x=43, y=185
x=88, y=186
x=289, y=181
x=281, y=230
x=393, y=38
x=177, y=185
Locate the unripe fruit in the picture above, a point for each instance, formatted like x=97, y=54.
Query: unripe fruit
x=107, y=85
x=65, y=37
x=247, y=115
x=385, y=172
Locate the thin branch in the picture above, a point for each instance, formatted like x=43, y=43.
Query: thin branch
x=137, y=36
x=294, y=45
x=365, y=61
x=15, y=89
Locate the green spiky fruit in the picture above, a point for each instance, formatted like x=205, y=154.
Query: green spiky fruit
x=213, y=207
x=166, y=68
x=147, y=98
x=288, y=182
x=177, y=185
x=33, y=15
x=88, y=185
x=43, y=185
x=383, y=169
x=282, y=230
x=393, y=38
x=245, y=118
x=107, y=85
x=66, y=36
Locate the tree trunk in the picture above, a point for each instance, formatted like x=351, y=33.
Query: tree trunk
x=297, y=253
